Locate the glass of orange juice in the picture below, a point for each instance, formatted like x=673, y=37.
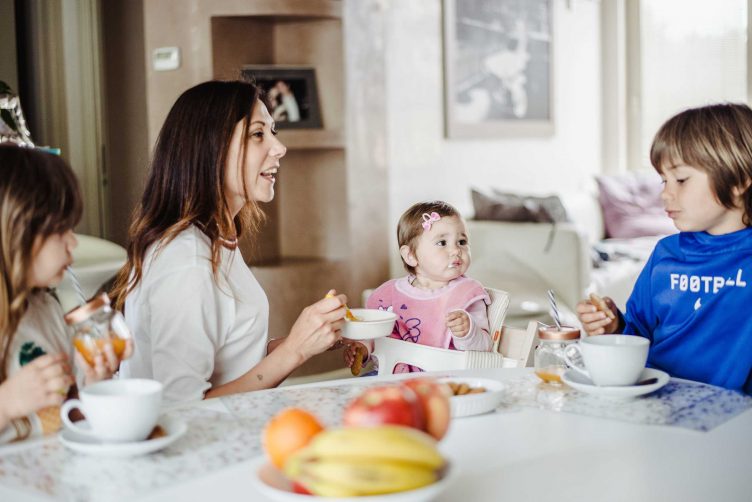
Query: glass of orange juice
x=550, y=363
x=96, y=323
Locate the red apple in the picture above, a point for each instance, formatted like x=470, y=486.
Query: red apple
x=434, y=397
x=398, y=405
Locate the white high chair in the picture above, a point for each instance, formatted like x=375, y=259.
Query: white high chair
x=512, y=346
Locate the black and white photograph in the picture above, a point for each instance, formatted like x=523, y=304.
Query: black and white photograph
x=498, y=67
x=291, y=92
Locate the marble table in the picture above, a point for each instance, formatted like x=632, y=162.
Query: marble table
x=540, y=444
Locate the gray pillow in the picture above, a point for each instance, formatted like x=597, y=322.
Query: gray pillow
x=502, y=206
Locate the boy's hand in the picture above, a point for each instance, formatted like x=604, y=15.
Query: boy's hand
x=354, y=354
x=598, y=316
x=458, y=322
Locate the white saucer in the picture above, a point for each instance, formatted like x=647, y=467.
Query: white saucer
x=275, y=486
x=475, y=404
x=91, y=446
x=584, y=384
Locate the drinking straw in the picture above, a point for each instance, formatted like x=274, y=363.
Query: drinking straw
x=76, y=285
x=554, y=308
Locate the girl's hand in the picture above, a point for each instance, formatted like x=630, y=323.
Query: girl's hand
x=317, y=328
x=106, y=362
x=41, y=383
x=458, y=322
x=595, y=321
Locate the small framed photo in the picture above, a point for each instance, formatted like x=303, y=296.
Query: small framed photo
x=291, y=92
x=498, y=76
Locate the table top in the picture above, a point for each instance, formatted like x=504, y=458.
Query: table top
x=534, y=447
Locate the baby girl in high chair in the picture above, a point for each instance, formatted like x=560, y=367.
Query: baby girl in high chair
x=435, y=303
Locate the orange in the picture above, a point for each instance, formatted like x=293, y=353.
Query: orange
x=287, y=432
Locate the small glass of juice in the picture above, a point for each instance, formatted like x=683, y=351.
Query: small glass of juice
x=95, y=324
x=549, y=354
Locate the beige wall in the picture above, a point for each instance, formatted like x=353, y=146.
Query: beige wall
x=125, y=108
x=8, y=62
x=424, y=164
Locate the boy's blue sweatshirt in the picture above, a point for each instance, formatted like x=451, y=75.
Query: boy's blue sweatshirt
x=693, y=300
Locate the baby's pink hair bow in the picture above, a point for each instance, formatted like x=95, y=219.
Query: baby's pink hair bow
x=428, y=219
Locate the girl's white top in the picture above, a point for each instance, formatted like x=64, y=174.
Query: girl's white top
x=41, y=331
x=192, y=330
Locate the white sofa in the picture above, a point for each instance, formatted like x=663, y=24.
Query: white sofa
x=527, y=259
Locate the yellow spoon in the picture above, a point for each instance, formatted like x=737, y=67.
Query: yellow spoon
x=348, y=314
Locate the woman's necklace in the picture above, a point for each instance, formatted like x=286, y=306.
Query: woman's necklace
x=231, y=244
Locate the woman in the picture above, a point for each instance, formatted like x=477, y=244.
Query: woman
x=200, y=318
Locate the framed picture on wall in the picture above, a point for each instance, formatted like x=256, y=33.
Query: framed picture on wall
x=292, y=94
x=498, y=78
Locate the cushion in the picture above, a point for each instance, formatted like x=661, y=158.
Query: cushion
x=632, y=206
x=501, y=206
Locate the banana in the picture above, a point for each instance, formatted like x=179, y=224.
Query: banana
x=355, y=461
x=385, y=442
x=326, y=488
x=363, y=476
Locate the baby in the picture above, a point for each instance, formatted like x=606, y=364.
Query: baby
x=435, y=303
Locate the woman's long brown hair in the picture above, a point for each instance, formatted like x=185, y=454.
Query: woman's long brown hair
x=39, y=197
x=186, y=177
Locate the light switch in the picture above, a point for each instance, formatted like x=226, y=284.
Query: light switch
x=166, y=58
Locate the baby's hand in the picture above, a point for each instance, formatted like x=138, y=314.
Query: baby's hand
x=106, y=362
x=354, y=354
x=458, y=322
x=598, y=315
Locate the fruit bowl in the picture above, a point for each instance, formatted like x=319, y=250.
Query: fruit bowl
x=275, y=486
x=372, y=323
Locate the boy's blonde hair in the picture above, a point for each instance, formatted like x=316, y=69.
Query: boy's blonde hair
x=410, y=225
x=716, y=139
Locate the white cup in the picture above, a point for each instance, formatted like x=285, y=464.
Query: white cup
x=117, y=410
x=611, y=359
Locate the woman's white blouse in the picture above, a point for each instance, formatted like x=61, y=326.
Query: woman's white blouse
x=192, y=330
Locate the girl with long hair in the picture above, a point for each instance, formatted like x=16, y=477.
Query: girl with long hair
x=39, y=206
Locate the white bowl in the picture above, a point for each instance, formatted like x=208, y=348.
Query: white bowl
x=275, y=486
x=373, y=323
x=475, y=404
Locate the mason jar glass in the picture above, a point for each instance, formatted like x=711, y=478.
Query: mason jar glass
x=94, y=324
x=549, y=354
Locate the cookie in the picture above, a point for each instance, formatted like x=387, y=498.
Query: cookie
x=357, y=365
x=601, y=305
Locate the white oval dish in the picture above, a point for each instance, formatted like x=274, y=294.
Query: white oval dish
x=475, y=404
x=174, y=429
x=584, y=384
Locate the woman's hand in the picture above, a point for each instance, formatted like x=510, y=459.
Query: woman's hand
x=596, y=321
x=458, y=322
x=41, y=383
x=317, y=328
x=106, y=362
